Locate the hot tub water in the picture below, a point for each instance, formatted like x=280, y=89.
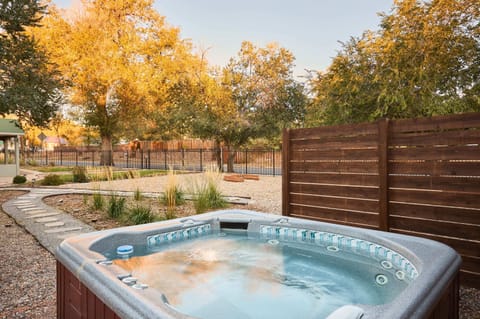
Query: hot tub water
x=254, y=277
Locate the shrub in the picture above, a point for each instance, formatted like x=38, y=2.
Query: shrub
x=141, y=215
x=116, y=206
x=32, y=162
x=79, y=174
x=52, y=180
x=98, y=201
x=19, y=179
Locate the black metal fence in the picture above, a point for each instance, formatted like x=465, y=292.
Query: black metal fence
x=263, y=162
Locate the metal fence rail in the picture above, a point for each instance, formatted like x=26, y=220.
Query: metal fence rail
x=263, y=162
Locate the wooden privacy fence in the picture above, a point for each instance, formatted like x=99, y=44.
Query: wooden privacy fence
x=419, y=177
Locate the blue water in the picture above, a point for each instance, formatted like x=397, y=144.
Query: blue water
x=234, y=276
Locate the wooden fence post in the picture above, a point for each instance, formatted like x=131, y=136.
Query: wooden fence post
x=383, y=222
x=285, y=171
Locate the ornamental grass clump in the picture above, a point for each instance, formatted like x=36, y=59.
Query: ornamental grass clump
x=98, y=201
x=141, y=215
x=116, y=206
x=206, y=194
x=137, y=194
x=172, y=196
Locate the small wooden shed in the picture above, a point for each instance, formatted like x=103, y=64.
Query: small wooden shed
x=10, y=133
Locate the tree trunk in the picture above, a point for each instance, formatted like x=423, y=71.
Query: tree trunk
x=230, y=159
x=106, y=158
x=218, y=155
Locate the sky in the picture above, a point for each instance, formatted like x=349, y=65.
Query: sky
x=311, y=29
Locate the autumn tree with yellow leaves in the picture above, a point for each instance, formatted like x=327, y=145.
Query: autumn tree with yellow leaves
x=121, y=60
x=254, y=96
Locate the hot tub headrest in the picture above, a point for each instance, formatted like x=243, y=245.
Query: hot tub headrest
x=347, y=312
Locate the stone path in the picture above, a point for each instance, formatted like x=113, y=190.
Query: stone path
x=51, y=226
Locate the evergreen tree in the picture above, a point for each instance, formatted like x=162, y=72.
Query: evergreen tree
x=423, y=61
x=28, y=83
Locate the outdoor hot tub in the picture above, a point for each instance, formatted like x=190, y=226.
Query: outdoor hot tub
x=244, y=264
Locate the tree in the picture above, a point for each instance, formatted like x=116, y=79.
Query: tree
x=254, y=96
x=29, y=84
x=121, y=59
x=423, y=61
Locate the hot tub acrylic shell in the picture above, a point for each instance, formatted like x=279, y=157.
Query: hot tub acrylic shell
x=99, y=293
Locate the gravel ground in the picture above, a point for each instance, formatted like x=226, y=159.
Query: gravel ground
x=27, y=271
x=265, y=193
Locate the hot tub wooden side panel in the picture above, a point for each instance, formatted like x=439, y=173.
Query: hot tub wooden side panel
x=76, y=301
x=447, y=307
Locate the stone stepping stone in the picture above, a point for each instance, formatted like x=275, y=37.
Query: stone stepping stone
x=55, y=224
x=68, y=235
x=29, y=209
x=43, y=192
x=46, y=220
x=43, y=215
x=20, y=202
x=61, y=230
x=35, y=211
x=22, y=207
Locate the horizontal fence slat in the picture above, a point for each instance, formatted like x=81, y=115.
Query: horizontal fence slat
x=452, y=184
x=467, y=231
x=436, y=168
x=337, y=130
x=461, y=137
x=352, y=218
x=336, y=142
x=471, y=263
x=462, y=246
x=458, y=199
x=435, y=153
x=335, y=154
x=448, y=122
x=369, y=167
x=335, y=216
x=338, y=179
x=335, y=190
x=469, y=279
x=450, y=214
x=340, y=202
